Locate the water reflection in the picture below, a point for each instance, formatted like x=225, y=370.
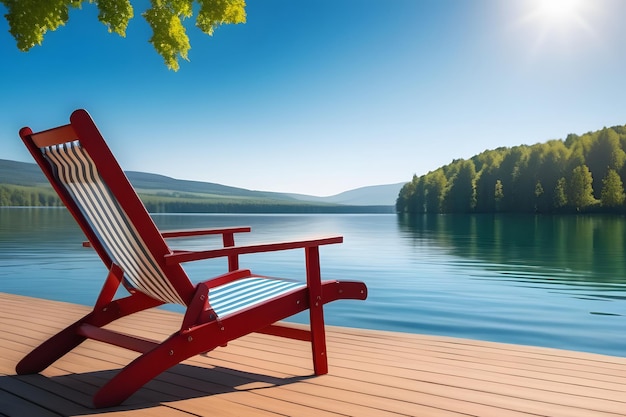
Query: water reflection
x=560, y=248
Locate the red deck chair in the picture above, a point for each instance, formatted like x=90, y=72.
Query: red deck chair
x=84, y=173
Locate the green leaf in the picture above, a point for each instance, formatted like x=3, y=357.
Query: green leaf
x=169, y=37
x=216, y=12
x=29, y=20
x=115, y=14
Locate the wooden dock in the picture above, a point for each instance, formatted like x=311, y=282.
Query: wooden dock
x=372, y=373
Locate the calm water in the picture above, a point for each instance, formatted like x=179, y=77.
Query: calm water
x=546, y=281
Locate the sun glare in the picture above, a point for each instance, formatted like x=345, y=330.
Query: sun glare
x=559, y=10
x=561, y=24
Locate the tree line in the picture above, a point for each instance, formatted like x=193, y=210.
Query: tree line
x=17, y=195
x=583, y=173
x=28, y=196
x=253, y=207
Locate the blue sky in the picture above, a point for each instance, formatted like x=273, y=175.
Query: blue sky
x=322, y=96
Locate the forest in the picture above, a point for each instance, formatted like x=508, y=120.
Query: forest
x=581, y=174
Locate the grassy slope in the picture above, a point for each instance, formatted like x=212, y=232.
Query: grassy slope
x=158, y=190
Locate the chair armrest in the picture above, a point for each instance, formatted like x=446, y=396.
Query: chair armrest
x=201, y=232
x=187, y=256
x=195, y=232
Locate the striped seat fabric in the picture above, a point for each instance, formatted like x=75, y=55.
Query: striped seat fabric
x=239, y=295
x=76, y=170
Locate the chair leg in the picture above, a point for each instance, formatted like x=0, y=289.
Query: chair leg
x=67, y=339
x=146, y=367
x=49, y=351
x=318, y=340
x=132, y=377
x=316, y=311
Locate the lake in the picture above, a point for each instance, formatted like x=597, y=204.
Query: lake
x=556, y=281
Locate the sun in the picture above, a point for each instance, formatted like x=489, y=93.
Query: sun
x=559, y=11
x=557, y=25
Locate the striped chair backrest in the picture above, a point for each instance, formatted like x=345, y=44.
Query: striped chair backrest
x=77, y=172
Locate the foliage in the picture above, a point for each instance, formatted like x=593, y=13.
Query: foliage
x=29, y=20
x=16, y=195
x=560, y=196
x=580, y=191
x=581, y=173
x=605, y=154
x=498, y=194
x=434, y=191
x=461, y=196
x=612, y=190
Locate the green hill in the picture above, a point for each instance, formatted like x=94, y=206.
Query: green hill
x=23, y=184
x=21, y=173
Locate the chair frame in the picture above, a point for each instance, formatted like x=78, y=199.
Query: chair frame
x=201, y=331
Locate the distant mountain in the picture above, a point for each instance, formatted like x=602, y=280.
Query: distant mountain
x=29, y=174
x=153, y=183
x=374, y=195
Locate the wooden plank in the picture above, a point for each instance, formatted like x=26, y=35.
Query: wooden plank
x=54, y=136
x=40, y=398
x=13, y=405
x=371, y=374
